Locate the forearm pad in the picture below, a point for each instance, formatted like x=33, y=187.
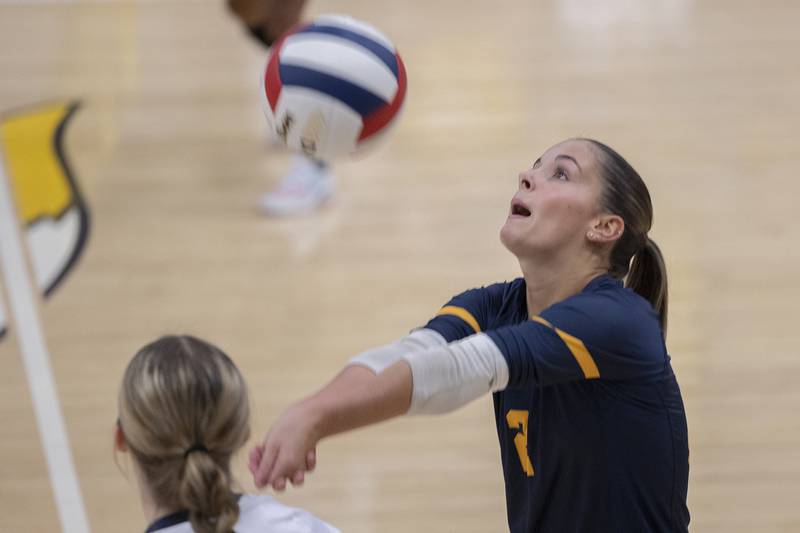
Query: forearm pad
x=378, y=359
x=448, y=377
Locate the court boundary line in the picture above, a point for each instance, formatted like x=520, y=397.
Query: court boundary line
x=41, y=384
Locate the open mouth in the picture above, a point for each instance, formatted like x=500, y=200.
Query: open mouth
x=520, y=210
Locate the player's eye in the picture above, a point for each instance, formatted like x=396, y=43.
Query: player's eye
x=561, y=174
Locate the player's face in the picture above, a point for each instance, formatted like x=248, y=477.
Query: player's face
x=556, y=202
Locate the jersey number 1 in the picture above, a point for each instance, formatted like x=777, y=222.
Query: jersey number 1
x=518, y=419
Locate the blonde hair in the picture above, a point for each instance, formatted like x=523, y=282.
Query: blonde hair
x=184, y=411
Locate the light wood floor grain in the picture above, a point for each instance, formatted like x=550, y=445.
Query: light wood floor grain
x=701, y=96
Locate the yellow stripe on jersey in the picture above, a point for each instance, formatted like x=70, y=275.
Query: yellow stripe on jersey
x=578, y=349
x=541, y=320
x=461, y=313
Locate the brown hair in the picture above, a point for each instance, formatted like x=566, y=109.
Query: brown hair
x=635, y=256
x=184, y=411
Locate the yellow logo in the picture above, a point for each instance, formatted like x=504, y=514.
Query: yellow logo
x=53, y=215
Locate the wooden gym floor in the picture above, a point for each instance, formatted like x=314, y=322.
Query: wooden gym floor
x=169, y=150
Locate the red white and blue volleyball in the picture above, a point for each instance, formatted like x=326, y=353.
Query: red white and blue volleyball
x=332, y=86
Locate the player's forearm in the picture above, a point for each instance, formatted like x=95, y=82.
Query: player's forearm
x=437, y=380
x=358, y=397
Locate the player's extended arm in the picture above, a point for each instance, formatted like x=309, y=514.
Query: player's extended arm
x=356, y=397
x=378, y=385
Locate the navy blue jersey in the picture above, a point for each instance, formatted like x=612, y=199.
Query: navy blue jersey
x=592, y=427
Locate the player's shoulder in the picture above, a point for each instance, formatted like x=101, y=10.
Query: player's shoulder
x=495, y=291
x=605, y=302
x=259, y=513
x=492, y=302
x=609, y=296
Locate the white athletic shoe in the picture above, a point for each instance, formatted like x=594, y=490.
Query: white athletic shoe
x=306, y=186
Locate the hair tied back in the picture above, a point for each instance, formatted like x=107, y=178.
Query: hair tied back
x=196, y=447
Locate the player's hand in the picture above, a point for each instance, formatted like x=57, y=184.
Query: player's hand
x=287, y=452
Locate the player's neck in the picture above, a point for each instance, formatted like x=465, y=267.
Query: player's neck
x=550, y=283
x=151, y=509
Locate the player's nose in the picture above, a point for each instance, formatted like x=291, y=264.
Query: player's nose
x=526, y=181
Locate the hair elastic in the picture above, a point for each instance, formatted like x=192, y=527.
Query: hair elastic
x=196, y=447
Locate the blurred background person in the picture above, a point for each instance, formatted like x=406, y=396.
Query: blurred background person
x=309, y=182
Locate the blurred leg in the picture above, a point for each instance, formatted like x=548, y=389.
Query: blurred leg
x=268, y=19
x=306, y=186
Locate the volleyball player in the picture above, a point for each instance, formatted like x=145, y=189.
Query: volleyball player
x=183, y=413
x=591, y=423
x=309, y=183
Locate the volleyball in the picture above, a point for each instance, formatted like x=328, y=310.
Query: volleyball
x=332, y=87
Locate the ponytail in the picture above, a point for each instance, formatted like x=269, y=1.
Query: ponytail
x=184, y=412
x=648, y=278
x=204, y=490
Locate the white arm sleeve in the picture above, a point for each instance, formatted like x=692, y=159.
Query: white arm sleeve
x=378, y=359
x=448, y=377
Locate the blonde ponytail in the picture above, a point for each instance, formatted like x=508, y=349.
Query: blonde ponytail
x=184, y=411
x=204, y=490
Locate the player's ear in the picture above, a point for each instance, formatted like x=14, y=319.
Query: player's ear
x=119, y=438
x=606, y=228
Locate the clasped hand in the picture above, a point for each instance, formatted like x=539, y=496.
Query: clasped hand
x=287, y=452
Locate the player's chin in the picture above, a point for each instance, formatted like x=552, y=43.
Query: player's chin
x=512, y=235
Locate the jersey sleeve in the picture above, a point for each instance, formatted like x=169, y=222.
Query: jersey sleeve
x=468, y=313
x=589, y=336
